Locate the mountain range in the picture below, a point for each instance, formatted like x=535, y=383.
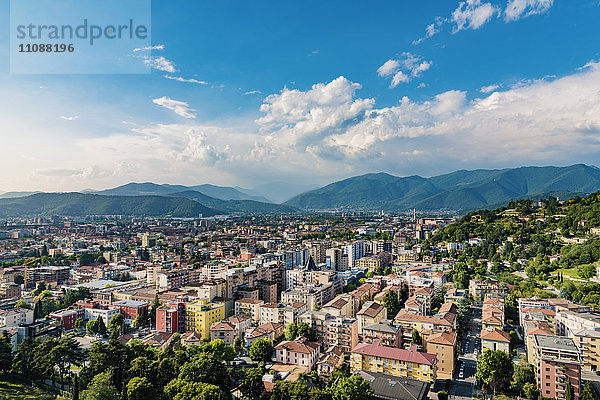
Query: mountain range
x=460, y=190
x=457, y=191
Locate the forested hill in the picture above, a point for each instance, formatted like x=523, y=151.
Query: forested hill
x=555, y=244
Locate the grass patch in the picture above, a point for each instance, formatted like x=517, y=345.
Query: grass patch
x=570, y=272
x=9, y=390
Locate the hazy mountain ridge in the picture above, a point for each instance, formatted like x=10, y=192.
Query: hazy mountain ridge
x=79, y=204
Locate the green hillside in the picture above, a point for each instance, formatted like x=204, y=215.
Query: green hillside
x=459, y=191
x=77, y=204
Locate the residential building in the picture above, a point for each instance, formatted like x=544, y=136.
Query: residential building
x=385, y=332
x=558, y=362
x=270, y=330
x=131, y=309
x=15, y=317
x=250, y=308
x=443, y=345
x=201, y=314
x=495, y=339
x=395, y=362
x=224, y=331
x=370, y=313
x=298, y=352
x=340, y=332
x=389, y=387
x=281, y=313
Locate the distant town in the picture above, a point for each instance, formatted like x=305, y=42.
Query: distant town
x=313, y=306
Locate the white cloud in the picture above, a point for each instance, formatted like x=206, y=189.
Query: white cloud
x=149, y=48
x=181, y=79
x=178, y=107
x=388, y=68
x=516, y=9
x=71, y=118
x=489, y=88
x=160, y=63
x=431, y=30
x=404, y=69
x=253, y=92
x=472, y=14
x=296, y=119
x=542, y=120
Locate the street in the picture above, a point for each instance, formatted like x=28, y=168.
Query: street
x=463, y=385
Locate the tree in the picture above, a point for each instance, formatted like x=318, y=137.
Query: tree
x=140, y=389
x=531, y=391
x=116, y=324
x=416, y=337
x=6, y=358
x=252, y=384
x=78, y=324
x=291, y=331
x=494, y=369
x=22, y=304
x=569, y=391
x=307, y=331
x=523, y=373
x=101, y=326
x=238, y=345
x=352, y=388
x=66, y=352
x=285, y=390
x=442, y=395
x=101, y=388
x=261, y=350
x=179, y=389
x=41, y=286
x=391, y=303
x=92, y=327
x=587, y=393
x=37, y=310
x=207, y=368
x=155, y=306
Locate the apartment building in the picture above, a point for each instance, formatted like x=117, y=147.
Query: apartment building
x=281, y=313
x=588, y=342
x=170, y=317
x=201, y=314
x=443, y=345
x=384, y=332
x=479, y=290
x=568, y=322
x=370, y=313
x=311, y=295
x=15, y=317
x=224, y=331
x=131, y=309
x=395, y=362
x=558, y=362
x=341, y=332
x=250, y=308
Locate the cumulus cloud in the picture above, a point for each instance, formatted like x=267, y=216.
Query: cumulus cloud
x=516, y=9
x=297, y=119
x=540, y=120
x=180, y=108
x=403, y=69
x=472, y=14
x=181, y=79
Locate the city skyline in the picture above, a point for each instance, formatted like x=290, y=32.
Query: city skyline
x=244, y=94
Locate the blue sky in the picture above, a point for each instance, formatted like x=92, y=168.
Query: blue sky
x=243, y=93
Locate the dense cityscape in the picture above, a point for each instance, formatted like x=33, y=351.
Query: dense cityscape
x=314, y=306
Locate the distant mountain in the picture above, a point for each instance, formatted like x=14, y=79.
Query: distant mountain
x=153, y=189
x=14, y=195
x=235, y=206
x=461, y=190
x=281, y=191
x=79, y=204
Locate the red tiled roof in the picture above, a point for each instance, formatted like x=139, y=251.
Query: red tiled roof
x=394, y=353
x=495, y=335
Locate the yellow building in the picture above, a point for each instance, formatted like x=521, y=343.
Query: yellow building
x=372, y=263
x=201, y=314
x=395, y=362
